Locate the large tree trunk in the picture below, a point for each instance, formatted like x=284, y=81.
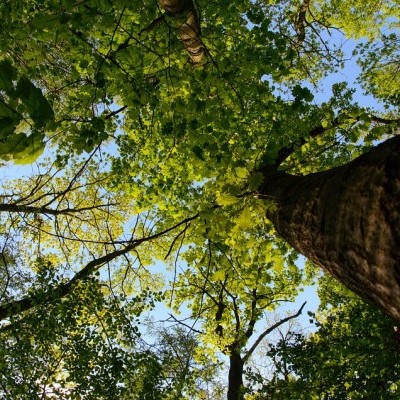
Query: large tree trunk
x=235, y=379
x=347, y=220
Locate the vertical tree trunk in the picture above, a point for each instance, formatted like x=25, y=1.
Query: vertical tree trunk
x=347, y=220
x=235, y=379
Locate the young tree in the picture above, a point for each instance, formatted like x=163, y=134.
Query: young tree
x=230, y=290
x=183, y=370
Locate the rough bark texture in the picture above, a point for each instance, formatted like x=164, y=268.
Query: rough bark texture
x=347, y=220
x=235, y=378
x=189, y=31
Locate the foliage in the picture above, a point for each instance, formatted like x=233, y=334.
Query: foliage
x=352, y=354
x=173, y=371
x=22, y=107
x=154, y=157
x=83, y=345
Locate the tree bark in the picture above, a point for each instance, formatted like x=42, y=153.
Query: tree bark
x=189, y=31
x=347, y=221
x=235, y=378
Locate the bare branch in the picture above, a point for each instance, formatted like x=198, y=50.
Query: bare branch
x=111, y=114
x=18, y=208
x=186, y=325
x=269, y=330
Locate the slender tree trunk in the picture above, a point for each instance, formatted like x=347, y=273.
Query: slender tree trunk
x=235, y=380
x=347, y=220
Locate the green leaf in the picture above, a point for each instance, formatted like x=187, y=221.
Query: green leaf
x=256, y=180
x=7, y=127
x=302, y=93
x=244, y=219
x=45, y=21
x=226, y=199
x=198, y=151
x=7, y=74
x=36, y=104
x=30, y=154
x=7, y=111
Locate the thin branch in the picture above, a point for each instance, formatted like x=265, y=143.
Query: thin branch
x=111, y=114
x=186, y=325
x=235, y=306
x=182, y=232
x=19, y=306
x=176, y=262
x=269, y=330
x=153, y=24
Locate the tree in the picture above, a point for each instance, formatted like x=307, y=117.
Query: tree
x=354, y=353
x=69, y=325
x=229, y=291
x=184, y=372
x=210, y=119
x=330, y=217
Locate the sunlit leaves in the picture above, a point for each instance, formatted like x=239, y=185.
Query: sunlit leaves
x=188, y=143
x=229, y=285
x=226, y=199
x=24, y=113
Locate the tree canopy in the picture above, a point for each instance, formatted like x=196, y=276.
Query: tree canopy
x=188, y=136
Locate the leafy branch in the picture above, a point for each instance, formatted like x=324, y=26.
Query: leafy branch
x=319, y=130
x=19, y=306
x=271, y=329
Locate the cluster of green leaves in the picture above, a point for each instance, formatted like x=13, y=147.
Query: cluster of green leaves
x=377, y=24
x=25, y=114
x=92, y=57
x=230, y=286
x=64, y=214
x=82, y=345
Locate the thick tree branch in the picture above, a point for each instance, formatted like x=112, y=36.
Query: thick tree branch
x=253, y=319
x=115, y=112
x=219, y=330
x=185, y=325
x=235, y=306
x=18, y=208
x=346, y=220
x=301, y=22
x=319, y=130
x=189, y=31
